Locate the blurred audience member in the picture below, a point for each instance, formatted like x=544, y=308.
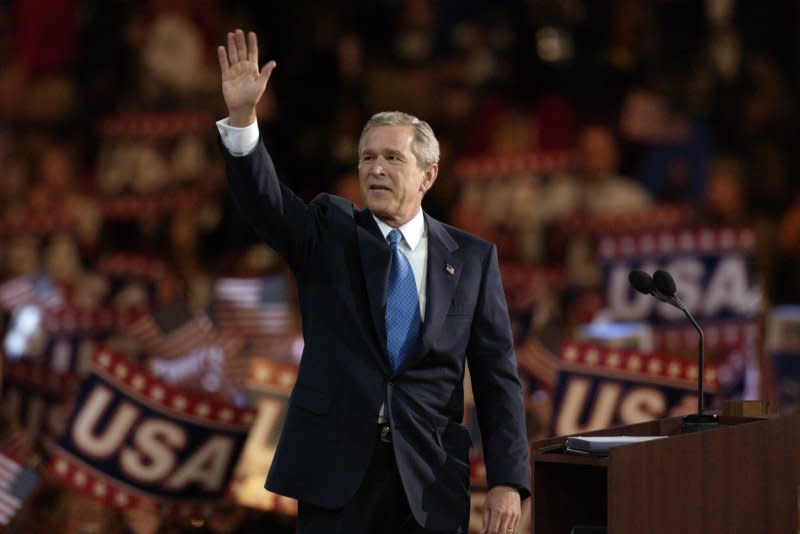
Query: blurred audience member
x=184, y=258
x=14, y=181
x=58, y=188
x=675, y=146
x=618, y=56
x=38, y=83
x=595, y=188
x=725, y=198
x=170, y=38
x=78, y=514
x=597, y=185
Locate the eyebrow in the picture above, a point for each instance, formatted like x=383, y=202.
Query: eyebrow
x=387, y=151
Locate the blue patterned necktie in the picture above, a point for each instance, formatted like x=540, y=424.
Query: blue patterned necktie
x=402, y=305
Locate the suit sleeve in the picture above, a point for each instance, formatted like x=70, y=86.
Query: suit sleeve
x=277, y=215
x=496, y=386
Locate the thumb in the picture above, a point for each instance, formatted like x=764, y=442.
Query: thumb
x=266, y=71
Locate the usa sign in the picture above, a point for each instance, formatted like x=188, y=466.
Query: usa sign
x=599, y=387
x=131, y=436
x=714, y=270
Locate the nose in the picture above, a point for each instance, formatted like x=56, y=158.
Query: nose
x=377, y=167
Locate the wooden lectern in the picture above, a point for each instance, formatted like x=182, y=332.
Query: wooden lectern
x=742, y=477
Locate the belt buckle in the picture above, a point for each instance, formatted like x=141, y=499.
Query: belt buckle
x=386, y=434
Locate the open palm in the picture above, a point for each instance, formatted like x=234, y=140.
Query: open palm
x=242, y=82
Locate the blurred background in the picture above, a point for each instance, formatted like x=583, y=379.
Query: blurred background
x=585, y=138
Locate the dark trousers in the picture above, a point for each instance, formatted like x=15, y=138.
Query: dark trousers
x=379, y=506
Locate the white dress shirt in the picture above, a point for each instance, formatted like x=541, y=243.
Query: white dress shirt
x=238, y=141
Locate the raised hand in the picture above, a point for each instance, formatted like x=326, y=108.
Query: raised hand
x=242, y=82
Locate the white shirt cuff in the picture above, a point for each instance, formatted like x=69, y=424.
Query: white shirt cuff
x=238, y=141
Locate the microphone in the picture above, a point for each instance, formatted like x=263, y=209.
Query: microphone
x=664, y=282
x=644, y=283
x=641, y=282
x=662, y=286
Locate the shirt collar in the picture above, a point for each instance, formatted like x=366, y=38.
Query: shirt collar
x=412, y=231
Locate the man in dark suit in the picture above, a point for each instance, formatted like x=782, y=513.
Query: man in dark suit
x=393, y=303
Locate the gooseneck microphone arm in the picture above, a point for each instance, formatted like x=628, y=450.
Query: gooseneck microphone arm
x=678, y=304
x=665, y=284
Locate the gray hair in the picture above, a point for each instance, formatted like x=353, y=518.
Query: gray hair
x=425, y=146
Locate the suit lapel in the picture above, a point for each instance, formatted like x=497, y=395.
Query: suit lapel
x=375, y=257
x=444, y=269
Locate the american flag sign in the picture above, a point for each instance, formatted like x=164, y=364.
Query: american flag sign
x=16, y=483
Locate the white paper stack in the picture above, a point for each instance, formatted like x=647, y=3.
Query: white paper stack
x=599, y=445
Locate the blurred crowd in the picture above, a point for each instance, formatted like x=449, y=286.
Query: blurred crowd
x=645, y=102
x=546, y=111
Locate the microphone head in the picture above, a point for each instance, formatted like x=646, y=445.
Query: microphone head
x=664, y=283
x=641, y=281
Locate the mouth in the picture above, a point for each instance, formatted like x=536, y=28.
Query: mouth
x=379, y=187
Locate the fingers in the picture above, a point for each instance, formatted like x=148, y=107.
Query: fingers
x=505, y=524
x=495, y=522
x=239, y=60
x=241, y=46
x=252, y=47
x=223, y=59
x=266, y=71
x=233, y=54
x=239, y=50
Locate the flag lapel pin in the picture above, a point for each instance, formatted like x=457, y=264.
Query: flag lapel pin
x=450, y=269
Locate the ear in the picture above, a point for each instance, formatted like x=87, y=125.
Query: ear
x=428, y=178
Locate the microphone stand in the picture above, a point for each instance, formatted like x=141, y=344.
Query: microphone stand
x=697, y=421
x=662, y=287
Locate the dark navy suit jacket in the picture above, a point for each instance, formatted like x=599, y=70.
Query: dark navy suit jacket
x=341, y=263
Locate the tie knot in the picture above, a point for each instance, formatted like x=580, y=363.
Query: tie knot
x=394, y=237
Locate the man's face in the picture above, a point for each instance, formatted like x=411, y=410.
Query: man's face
x=391, y=181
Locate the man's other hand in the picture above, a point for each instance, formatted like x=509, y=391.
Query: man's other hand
x=501, y=510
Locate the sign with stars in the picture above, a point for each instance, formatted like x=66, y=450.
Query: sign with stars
x=131, y=436
x=600, y=387
x=714, y=270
